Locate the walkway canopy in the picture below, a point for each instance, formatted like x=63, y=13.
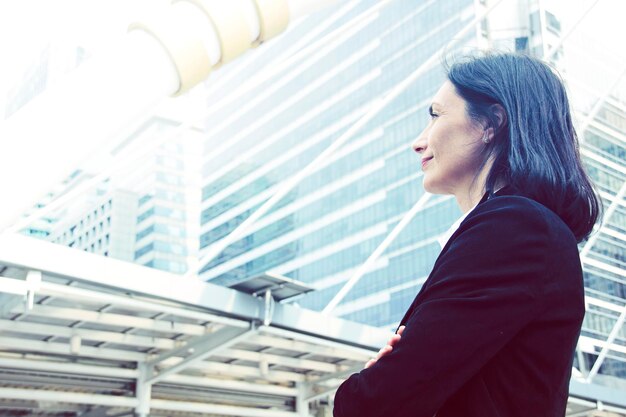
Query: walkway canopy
x=84, y=335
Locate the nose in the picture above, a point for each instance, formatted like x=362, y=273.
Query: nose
x=421, y=143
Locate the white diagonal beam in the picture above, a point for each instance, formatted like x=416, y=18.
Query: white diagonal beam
x=206, y=346
x=602, y=160
x=598, y=105
x=548, y=55
x=377, y=252
x=609, y=212
x=605, y=350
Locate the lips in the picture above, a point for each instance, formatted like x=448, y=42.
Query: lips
x=425, y=161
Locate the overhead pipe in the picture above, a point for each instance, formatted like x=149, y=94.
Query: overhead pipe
x=165, y=54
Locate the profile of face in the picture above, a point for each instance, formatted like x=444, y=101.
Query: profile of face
x=451, y=145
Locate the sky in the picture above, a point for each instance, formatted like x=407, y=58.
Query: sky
x=27, y=26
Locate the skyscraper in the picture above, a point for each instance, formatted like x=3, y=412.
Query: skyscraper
x=331, y=221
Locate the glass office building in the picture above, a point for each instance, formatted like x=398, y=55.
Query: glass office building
x=275, y=111
x=331, y=221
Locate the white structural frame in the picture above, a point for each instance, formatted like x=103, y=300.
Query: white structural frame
x=207, y=339
x=86, y=322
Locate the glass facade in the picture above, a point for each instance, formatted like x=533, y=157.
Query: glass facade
x=334, y=218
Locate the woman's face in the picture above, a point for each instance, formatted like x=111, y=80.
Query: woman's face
x=451, y=145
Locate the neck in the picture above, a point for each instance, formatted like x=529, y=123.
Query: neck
x=470, y=196
x=467, y=201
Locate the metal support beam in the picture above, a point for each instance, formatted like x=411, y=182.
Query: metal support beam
x=335, y=375
x=81, y=294
x=67, y=397
x=200, y=349
x=67, y=368
x=313, y=390
x=87, y=334
x=20, y=345
x=221, y=410
x=318, y=341
x=143, y=390
x=110, y=319
x=315, y=349
x=302, y=403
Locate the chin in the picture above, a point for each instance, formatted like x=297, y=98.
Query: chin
x=434, y=188
x=429, y=186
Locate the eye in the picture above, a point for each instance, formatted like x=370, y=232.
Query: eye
x=432, y=113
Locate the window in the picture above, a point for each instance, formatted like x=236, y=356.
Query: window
x=144, y=250
x=145, y=232
x=553, y=24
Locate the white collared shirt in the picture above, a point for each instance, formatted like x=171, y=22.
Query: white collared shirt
x=443, y=239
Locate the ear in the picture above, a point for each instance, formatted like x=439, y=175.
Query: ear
x=499, y=115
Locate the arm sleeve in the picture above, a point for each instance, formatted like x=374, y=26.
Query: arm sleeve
x=482, y=291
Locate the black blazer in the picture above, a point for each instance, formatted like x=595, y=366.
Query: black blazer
x=493, y=330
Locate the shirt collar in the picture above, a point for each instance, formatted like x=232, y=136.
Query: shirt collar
x=443, y=238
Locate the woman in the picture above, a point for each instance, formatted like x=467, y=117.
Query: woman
x=493, y=330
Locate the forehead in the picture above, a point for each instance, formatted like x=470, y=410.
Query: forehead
x=447, y=97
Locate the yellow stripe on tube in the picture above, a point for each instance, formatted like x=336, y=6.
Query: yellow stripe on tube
x=182, y=44
x=273, y=18
x=230, y=25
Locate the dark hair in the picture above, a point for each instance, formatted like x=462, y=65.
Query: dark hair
x=535, y=146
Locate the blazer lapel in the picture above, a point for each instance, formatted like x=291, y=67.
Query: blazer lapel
x=414, y=304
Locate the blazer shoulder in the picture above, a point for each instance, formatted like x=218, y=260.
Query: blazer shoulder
x=515, y=203
x=518, y=214
x=510, y=211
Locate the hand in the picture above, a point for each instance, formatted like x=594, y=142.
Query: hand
x=387, y=348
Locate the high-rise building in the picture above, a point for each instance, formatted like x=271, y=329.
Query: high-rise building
x=144, y=212
x=104, y=223
x=293, y=107
x=273, y=113
x=166, y=236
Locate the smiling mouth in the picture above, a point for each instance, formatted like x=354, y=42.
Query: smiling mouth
x=425, y=161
